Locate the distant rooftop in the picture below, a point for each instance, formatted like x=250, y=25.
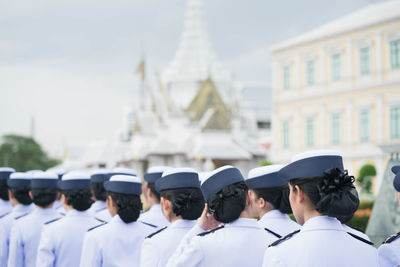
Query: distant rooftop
x=368, y=16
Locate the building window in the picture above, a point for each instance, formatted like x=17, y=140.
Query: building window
x=395, y=122
x=336, y=68
x=364, y=126
x=310, y=72
x=335, y=133
x=395, y=54
x=364, y=60
x=310, y=132
x=285, y=134
x=286, y=77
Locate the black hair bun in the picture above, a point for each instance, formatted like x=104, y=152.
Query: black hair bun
x=338, y=196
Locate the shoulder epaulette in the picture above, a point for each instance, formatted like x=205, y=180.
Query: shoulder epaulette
x=211, y=231
x=94, y=227
x=20, y=216
x=100, y=220
x=272, y=232
x=156, y=232
x=282, y=239
x=355, y=228
x=361, y=239
x=149, y=224
x=100, y=209
x=51, y=221
x=391, y=238
x=5, y=214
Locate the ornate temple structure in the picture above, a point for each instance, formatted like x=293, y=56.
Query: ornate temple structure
x=193, y=118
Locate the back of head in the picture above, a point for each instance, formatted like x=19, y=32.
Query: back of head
x=43, y=197
x=97, y=179
x=128, y=206
x=186, y=202
x=75, y=186
x=125, y=190
x=321, y=176
x=80, y=199
x=19, y=185
x=278, y=197
x=4, y=175
x=229, y=203
x=99, y=192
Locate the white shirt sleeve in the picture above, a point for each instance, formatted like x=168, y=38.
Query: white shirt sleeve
x=91, y=253
x=150, y=256
x=387, y=256
x=46, y=256
x=16, y=251
x=271, y=259
x=3, y=246
x=184, y=244
x=192, y=256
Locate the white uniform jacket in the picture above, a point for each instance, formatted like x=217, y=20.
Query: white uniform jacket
x=99, y=210
x=5, y=208
x=240, y=243
x=61, y=240
x=25, y=236
x=5, y=229
x=154, y=217
x=114, y=244
x=389, y=251
x=159, y=246
x=277, y=223
x=322, y=241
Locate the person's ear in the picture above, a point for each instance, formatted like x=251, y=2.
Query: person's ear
x=300, y=196
x=165, y=204
x=262, y=202
x=30, y=194
x=63, y=199
x=148, y=192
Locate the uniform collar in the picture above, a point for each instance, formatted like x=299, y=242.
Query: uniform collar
x=243, y=222
x=322, y=223
x=117, y=219
x=77, y=213
x=41, y=211
x=4, y=202
x=182, y=224
x=98, y=205
x=23, y=208
x=155, y=208
x=273, y=214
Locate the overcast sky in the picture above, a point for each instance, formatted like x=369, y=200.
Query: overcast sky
x=69, y=64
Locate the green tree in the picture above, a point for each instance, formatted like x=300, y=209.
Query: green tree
x=365, y=175
x=24, y=153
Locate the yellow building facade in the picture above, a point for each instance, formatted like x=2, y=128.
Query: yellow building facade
x=338, y=87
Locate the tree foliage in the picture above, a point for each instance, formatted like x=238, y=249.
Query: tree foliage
x=24, y=153
x=365, y=175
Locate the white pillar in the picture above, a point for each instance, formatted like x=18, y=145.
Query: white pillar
x=379, y=119
x=379, y=60
x=295, y=131
x=349, y=54
x=322, y=68
x=322, y=126
x=348, y=144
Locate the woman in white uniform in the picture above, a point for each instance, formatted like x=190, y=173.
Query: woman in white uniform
x=182, y=203
x=389, y=251
x=269, y=196
x=240, y=241
x=118, y=243
x=320, y=191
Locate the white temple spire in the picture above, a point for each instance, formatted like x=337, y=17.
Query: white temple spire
x=195, y=59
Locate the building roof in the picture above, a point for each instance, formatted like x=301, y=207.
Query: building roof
x=368, y=16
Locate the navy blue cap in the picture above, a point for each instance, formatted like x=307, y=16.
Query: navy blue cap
x=19, y=180
x=5, y=172
x=396, y=180
x=124, y=184
x=75, y=180
x=178, y=178
x=155, y=173
x=99, y=176
x=45, y=180
x=311, y=164
x=121, y=171
x=219, y=178
x=265, y=177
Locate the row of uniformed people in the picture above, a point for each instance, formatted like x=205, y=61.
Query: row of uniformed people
x=320, y=192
